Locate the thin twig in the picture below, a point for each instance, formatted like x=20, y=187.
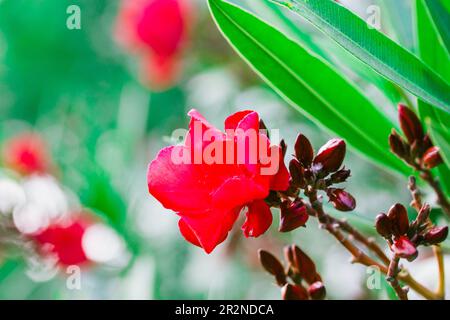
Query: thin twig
x=441, y=271
x=358, y=256
x=391, y=277
x=441, y=197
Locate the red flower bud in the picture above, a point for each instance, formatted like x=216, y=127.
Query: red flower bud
x=399, y=219
x=300, y=264
x=293, y=292
x=436, y=235
x=304, y=151
x=341, y=200
x=410, y=124
x=293, y=216
x=398, y=146
x=297, y=173
x=423, y=215
x=432, y=158
x=317, y=291
x=383, y=225
x=340, y=176
x=273, y=266
x=330, y=156
x=404, y=248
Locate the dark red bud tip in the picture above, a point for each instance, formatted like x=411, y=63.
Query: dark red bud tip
x=399, y=219
x=273, y=266
x=283, y=147
x=293, y=216
x=304, y=151
x=410, y=124
x=432, y=158
x=341, y=200
x=404, y=248
x=436, y=235
x=340, y=176
x=330, y=156
x=301, y=264
x=423, y=215
x=317, y=291
x=398, y=147
x=383, y=225
x=297, y=173
x=293, y=292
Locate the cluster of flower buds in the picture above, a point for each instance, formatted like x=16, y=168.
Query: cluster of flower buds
x=417, y=150
x=404, y=236
x=321, y=171
x=300, y=280
x=310, y=172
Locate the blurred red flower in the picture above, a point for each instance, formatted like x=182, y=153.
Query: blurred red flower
x=208, y=196
x=27, y=154
x=157, y=31
x=65, y=241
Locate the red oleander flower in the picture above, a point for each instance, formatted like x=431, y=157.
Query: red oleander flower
x=27, y=154
x=157, y=31
x=209, y=179
x=65, y=241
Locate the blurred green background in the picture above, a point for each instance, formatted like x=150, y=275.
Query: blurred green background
x=80, y=91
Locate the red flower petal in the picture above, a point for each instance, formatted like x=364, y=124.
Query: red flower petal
x=185, y=187
x=187, y=233
x=210, y=229
x=238, y=191
x=258, y=219
x=280, y=181
x=232, y=121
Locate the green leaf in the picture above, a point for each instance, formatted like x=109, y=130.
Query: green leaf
x=308, y=82
x=375, y=49
x=441, y=19
x=434, y=52
x=333, y=51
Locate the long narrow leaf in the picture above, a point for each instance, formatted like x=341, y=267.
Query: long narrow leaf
x=375, y=49
x=308, y=82
x=434, y=52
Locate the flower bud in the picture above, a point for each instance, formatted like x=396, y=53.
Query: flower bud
x=426, y=143
x=330, y=156
x=293, y=292
x=263, y=128
x=301, y=264
x=341, y=200
x=293, y=216
x=383, y=225
x=423, y=215
x=340, y=176
x=304, y=151
x=283, y=147
x=297, y=173
x=399, y=219
x=317, y=291
x=404, y=248
x=436, y=235
x=432, y=158
x=273, y=266
x=410, y=124
x=398, y=147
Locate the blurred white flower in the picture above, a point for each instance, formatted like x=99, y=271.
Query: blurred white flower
x=30, y=218
x=102, y=244
x=45, y=192
x=11, y=195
